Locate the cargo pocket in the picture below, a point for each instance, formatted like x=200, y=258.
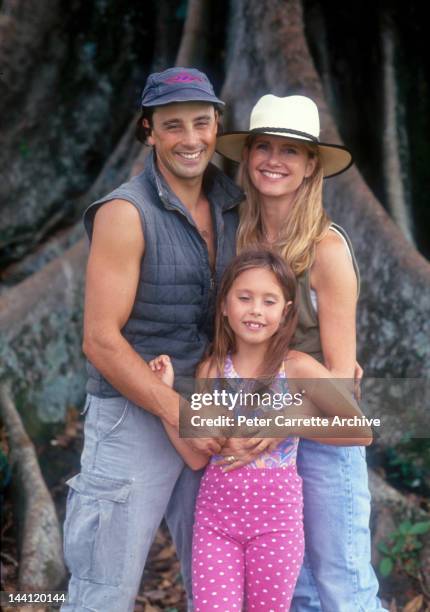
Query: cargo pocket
x=95, y=529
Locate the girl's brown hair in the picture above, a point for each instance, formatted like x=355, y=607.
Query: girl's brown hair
x=224, y=340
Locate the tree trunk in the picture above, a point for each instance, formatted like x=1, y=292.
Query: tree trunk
x=317, y=31
x=61, y=72
x=192, y=47
x=394, y=173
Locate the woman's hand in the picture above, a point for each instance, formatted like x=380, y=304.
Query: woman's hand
x=163, y=369
x=358, y=375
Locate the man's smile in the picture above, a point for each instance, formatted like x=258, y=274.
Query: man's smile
x=190, y=156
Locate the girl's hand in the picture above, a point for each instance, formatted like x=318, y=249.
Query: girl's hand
x=163, y=369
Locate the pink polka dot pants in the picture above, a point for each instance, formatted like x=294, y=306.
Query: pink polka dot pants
x=248, y=540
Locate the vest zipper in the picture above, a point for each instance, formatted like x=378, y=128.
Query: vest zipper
x=205, y=246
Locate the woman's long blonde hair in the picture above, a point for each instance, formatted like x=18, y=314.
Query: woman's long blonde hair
x=306, y=224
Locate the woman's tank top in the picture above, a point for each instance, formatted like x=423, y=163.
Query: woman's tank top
x=284, y=455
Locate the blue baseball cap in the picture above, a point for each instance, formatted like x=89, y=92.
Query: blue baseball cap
x=178, y=85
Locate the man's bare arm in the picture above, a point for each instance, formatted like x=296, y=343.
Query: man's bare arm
x=112, y=278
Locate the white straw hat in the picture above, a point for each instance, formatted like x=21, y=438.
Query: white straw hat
x=294, y=117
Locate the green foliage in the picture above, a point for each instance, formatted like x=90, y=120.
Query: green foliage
x=408, y=465
x=401, y=550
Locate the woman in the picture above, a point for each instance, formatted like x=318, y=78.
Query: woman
x=282, y=169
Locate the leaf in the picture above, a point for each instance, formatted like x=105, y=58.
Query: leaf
x=398, y=546
x=404, y=527
x=386, y=566
x=415, y=604
x=420, y=528
x=383, y=548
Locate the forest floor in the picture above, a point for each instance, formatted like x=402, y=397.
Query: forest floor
x=161, y=587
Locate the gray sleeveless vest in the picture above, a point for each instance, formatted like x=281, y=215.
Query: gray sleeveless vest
x=174, y=304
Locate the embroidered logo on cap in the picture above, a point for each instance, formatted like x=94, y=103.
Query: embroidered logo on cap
x=183, y=77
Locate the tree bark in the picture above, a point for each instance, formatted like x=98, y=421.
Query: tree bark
x=40, y=340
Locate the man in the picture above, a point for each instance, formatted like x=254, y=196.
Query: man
x=159, y=244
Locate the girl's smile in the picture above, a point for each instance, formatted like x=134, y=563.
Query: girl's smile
x=254, y=325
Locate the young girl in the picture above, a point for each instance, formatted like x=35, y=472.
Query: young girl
x=248, y=533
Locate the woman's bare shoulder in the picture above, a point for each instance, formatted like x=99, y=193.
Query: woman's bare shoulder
x=333, y=264
x=331, y=247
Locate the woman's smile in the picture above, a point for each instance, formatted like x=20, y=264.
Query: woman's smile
x=277, y=165
x=273, y=175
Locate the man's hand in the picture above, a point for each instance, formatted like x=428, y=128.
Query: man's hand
x=238, y=452
x=163, y=369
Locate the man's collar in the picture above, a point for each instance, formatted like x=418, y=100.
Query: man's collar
x=220, y=190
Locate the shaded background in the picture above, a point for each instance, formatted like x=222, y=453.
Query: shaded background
x=70, y=79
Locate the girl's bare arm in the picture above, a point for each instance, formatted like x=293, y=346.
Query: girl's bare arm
x=162, y=367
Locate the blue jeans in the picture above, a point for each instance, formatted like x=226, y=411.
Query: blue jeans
x=336, y=574
x=131, y=476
